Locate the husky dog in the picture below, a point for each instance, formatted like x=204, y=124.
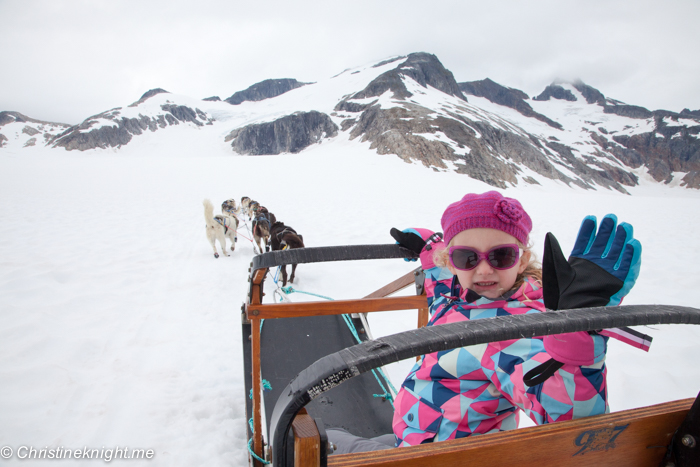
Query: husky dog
x=253, y=208
x=281, y=237
x=218, y=228
x=245, y=203
x=229, y=208
x=261, y=227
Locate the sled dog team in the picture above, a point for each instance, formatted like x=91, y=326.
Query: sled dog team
x=265, y=228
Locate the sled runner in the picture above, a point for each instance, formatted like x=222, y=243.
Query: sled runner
x=317, y=378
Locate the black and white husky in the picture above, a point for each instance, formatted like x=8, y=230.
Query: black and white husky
x=229, y=208
x=219, y=227
x=245, y=204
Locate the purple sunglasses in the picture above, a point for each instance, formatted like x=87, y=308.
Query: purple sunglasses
x=500, y=257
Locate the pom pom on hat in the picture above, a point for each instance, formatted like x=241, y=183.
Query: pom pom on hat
x=489, y=210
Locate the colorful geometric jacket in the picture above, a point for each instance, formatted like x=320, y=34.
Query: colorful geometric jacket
x=479, y=389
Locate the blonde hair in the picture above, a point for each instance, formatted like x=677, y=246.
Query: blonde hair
x=533, y=270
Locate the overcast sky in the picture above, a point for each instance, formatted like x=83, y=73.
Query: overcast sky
x=65, y=60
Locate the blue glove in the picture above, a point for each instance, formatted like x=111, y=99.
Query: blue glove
x=601, y=270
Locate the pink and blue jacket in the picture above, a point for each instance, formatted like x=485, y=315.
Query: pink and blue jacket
x=479, y=389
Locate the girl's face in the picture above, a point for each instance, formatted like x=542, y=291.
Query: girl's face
x=484, y=279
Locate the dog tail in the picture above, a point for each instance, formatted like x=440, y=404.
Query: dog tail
x=293, y=240
x=208, y=213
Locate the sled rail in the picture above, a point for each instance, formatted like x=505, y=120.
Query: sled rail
x=336, y=307
x=341, y=366
x=637, y=437
x=325, y=254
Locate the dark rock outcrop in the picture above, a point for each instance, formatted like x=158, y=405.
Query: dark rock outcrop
x=557, y=92
x=501, y=95
x=291, y=133
x=591, y=94
x=27, y=130
x=11, y=117
x=3, y=140
x=631, y=111
x=147, y=95
x=691, y=180
x=686, y=113
x=388, y=61
x=494, y=92
x=212, y=99
x=264, y=90
x=667, y=149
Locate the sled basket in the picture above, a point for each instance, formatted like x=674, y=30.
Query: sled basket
x=305, y=395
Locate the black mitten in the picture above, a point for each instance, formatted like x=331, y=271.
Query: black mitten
x=601, y=270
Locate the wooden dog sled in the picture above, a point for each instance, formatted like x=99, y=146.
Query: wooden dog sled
x=304, y=372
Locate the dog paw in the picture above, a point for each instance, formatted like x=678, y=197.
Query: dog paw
x=216, y=255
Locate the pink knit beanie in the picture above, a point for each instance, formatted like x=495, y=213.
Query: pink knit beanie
x=489, y=210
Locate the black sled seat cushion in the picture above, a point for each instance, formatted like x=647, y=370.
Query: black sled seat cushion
x=289, y=345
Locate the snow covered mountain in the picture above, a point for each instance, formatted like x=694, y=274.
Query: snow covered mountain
x=156, y=109
x=18, y=130
x=413, y=107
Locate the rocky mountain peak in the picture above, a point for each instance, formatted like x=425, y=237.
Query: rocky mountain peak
x=556, y=91
x=424, y=68
x=23, y=131
x=11, y=117
x=591, y=94
x=147, y=95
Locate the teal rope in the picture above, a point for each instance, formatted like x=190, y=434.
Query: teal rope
x=348, y=321
x=289, y=290
x=250, y=447
x=266, y=387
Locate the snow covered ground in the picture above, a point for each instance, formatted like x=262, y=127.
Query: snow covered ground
x=119, y=328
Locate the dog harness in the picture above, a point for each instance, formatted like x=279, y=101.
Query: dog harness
x=225, y=221
x=286, y=230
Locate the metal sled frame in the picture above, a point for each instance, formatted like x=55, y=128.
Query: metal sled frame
x=645, y=436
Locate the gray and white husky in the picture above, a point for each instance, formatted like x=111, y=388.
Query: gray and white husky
x=219, y=227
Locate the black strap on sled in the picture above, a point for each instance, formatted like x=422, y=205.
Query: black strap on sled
x=334, y=369
x=541, y=373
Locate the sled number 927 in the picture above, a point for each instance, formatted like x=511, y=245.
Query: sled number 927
x=598, y=440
